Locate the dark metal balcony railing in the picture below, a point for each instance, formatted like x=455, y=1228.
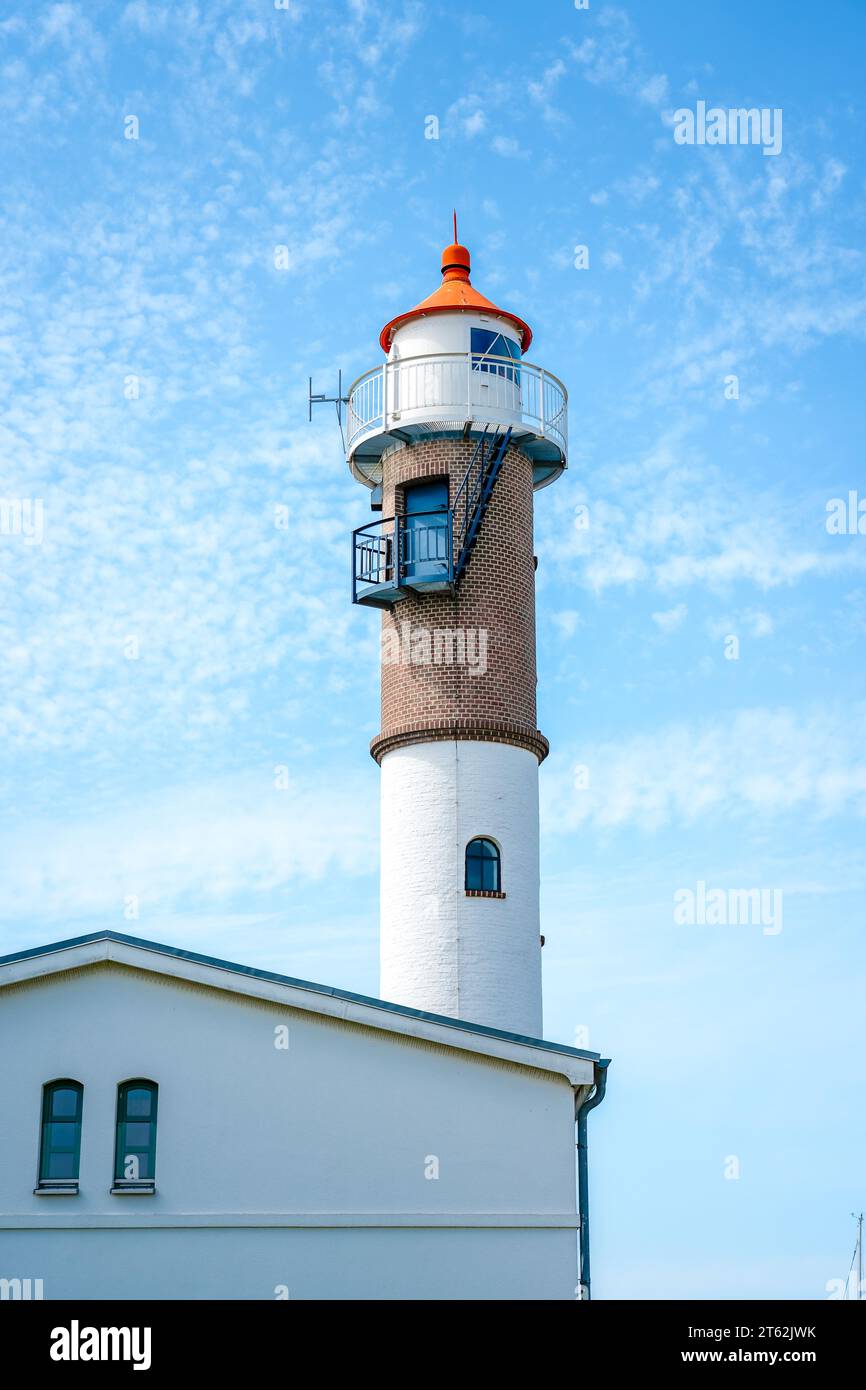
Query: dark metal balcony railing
x=402, y=553
x=374, y=554
x=417, y=551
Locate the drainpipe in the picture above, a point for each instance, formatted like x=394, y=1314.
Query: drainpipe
x=583, y=1172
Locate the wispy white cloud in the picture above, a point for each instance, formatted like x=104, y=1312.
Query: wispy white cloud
x=753, y=621
x=508, y=147
x=670, y=618
x=568, y=620
x=197, y=846
x=612, y=56
x=761, y=763
x=541, y=91
x=670, y=518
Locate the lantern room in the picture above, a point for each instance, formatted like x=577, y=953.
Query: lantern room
x=456, y=366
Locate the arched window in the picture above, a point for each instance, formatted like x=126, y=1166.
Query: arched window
x=135, y=1153
x=60, y=1145
x=483, y=867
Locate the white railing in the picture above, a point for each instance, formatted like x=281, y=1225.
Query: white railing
x=450, y=388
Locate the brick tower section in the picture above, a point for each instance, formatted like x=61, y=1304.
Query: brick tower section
x=426, y=702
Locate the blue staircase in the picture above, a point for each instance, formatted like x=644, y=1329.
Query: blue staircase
x=475, y=491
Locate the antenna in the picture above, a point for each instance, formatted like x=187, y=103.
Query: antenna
x=321, y=399
x=455, y=226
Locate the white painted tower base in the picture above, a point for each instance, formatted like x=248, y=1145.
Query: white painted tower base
x=472, y=958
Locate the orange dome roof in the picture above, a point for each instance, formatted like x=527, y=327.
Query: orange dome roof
x=455, y=293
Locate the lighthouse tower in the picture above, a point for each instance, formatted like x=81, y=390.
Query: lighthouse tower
x=453, y=433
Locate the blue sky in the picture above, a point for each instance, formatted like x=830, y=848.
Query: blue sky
x=166, y=647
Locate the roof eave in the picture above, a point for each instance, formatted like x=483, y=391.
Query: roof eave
x=387, y=334
x=575, y=1064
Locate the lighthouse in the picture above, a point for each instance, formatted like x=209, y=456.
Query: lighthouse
x=453, y=433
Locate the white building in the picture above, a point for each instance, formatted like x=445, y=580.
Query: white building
x=309, y=1143
x=182, y=1127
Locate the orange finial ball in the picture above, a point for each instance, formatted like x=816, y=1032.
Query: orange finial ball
x=455, y=258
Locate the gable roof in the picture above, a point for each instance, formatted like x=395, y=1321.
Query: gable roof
x=576, y=1064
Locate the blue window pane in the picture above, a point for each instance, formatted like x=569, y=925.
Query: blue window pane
x=487, y=346
x=64, y=1104
x=482, y=866
x=60, y=1165
x=62, y=1136
x=482, y=340
x=138, y=1103
x=135, y=1165
x=137, y=1136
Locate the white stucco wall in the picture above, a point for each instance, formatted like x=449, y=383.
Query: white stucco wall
x=429, y=391
x=446, y=332
x=303, y=1167
x=207, y=1261
x=472, y=958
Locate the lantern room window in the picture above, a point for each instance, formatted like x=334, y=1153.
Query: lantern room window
x=489, y=348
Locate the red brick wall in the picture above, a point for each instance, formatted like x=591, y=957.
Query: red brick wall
x=496, y=593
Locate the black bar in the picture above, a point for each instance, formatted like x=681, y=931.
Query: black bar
x=607, y=1336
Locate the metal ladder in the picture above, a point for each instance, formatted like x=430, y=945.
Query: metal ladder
x=473, y=495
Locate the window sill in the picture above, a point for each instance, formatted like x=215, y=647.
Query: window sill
x=142, y=1187
x=482, y=893
x=56, y=1189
